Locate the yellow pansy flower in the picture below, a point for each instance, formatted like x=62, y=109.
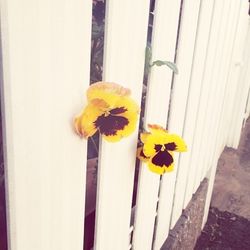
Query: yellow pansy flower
x=110, y=110
x=158, y=147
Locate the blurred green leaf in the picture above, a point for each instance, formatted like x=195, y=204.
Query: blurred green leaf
x=171, y=65
x=148, y=57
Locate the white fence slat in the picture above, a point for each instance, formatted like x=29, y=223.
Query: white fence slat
x=231, y=82
x=222, y=79
x=187, y=35
x=124, y=55
x=211, y=117
x=46, y=58
x=241, y=94
x=163, y=48
x=237, y=64
x=202, y=38
x=206, y=90
x=219, y=140
x=218, y=82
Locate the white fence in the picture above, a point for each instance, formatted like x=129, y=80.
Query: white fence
x=46, y=64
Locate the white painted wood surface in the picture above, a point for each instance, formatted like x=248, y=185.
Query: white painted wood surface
x=124, y=55
x=227, y=47
x=219, y=141
x=206, y=91
x=216, y=87
x=46, y=59
x=218, y=82
x=163, y=48
x=46, y=52
x=235, y=70
x=187, y=35
x=200, y=54
x=241, y=94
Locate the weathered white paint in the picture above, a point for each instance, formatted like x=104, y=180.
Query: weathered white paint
x=185, y=51
x=46, y=46
x=125, y=43
x=46, y=58
x=219, y=135
x=200, y=54
x=163, y=48
x=206, y=91
x=227, y=47
x=241, y=95
x=216, y=86
x=234, y=73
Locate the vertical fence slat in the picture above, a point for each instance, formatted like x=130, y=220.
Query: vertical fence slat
x=211, y=116
x=236, y=66
x=46, y=58
x=205, y=18
x=185, y=50
x=125, y=42
x=241, y=93
x=219, y=142
x=206, y=89
x=163, y=48
x=229, y=38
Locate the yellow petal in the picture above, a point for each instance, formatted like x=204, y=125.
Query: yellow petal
x=140, y=155
x=156, y=169
x=108, y=92
x=179, y=142
x=156, y=129
x=130, y=128
x=160, y=136
x=169, y=168
x=144, y=136
x=152, y=140
x=100, y=103
x=160, y=170
x=84, y=123
x=130, y=113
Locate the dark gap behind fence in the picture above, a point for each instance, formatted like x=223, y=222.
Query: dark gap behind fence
x=96, y=70
x=142, y=114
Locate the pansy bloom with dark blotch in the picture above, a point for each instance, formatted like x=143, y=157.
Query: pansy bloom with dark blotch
x=110, y=110
x=158, y=147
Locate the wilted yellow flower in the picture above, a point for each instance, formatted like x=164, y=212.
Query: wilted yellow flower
x=110, y=110
x=158, y=147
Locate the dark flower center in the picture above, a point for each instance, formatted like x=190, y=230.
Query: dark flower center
x=168, y=146
x=111, y=123
x=117, y=111
x=162, y=158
